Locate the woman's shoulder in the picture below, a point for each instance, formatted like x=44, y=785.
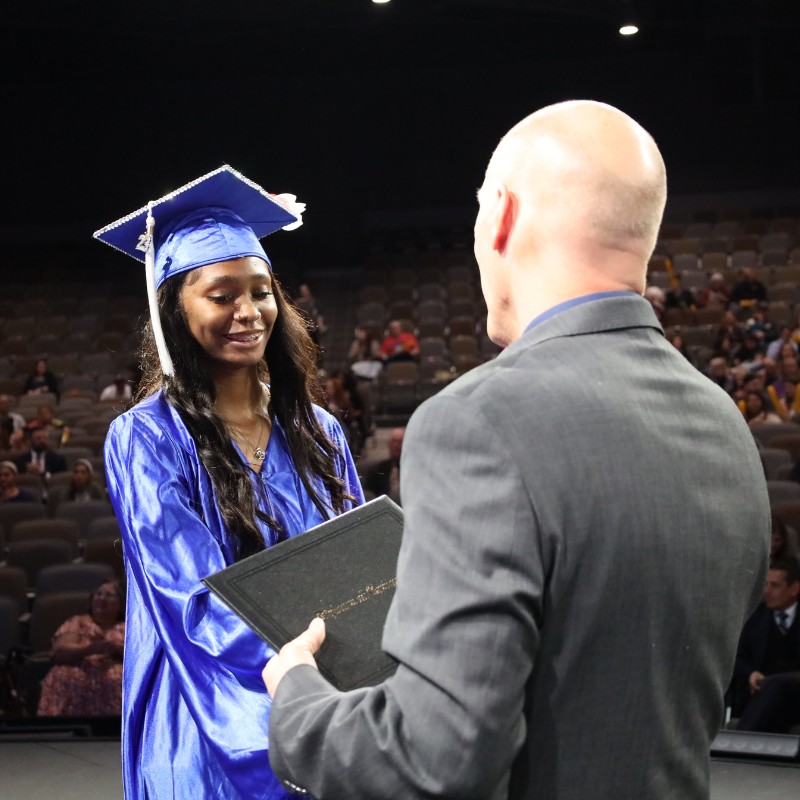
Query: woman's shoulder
x=327, y=420
x=152, y=412
x=151, y=420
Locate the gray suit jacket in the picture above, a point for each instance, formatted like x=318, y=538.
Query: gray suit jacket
x=586, y=530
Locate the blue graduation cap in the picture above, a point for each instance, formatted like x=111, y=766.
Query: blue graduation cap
x=217, y=217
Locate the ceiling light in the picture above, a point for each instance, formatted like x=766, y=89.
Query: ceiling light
x=379, y=2
x=624, y=30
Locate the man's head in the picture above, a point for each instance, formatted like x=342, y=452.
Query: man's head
x=783, y=584
x=395, y=328
x=39, y=440
x=747, y=274
x=6, y=403
x=717, y=367
x=571, y=204
x=396, y=443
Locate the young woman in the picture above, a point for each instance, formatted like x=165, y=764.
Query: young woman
x=224, y=454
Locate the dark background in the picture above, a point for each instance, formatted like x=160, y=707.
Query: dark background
x=369, y=112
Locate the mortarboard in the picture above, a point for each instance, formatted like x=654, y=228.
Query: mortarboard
x=217, y=217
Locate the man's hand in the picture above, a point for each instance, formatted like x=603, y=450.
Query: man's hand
x=754, y=681
x=299, y=651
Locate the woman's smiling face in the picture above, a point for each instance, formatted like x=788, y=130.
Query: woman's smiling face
x=230, y=310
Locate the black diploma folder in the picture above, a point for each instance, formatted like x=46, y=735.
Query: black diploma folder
x=343, y=571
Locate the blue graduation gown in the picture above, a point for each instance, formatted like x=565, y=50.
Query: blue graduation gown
x=194, y=711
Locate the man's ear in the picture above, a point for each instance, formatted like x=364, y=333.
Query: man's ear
x=503, y=218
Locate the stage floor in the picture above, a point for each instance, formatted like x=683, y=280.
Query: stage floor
x=89, y=770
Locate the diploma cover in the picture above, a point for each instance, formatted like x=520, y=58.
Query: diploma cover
x=343, y=571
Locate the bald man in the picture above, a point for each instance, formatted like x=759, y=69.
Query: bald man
x=586, y=522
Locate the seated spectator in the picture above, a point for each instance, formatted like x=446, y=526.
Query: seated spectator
x=657, y=299
x=715, y=294
x=676, y=340
x=344, y=401
x=788, y=371
x=9, y=490
x=766, y=688
x=678, y=296
x=40, y=458
x=757, y=409
x=762, y=326
x=364, y=354
x=725, y=348
x=718, y=371
x=399, y=345
x=87, y=649
x=82, y=488
x=12, y=425
x=384, y=477
x=306, y=304
x=780, y=545
x=46, y=420
x=41, y=380
x=731, y=327
x=784, y=344
x=748, y=350
x=118, y=389
x=336, y=400
x=358, y=413
x=748, y=291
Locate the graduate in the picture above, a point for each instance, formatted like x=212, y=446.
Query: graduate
x=223, y=454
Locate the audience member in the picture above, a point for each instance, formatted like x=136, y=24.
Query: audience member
x=677, y=341
x=87, y=678
x=766, y=690
x=40, y=458
x=748, y=350
x=757, y=409
x=41, y=380
x=47, y=421
x=358, y=412
x=730, y=327
x=399, y=345
x=657, y=299
x=118, y=389
x=748, y=291
x=715, y=294
x=678, y=296
x=12, y=424
x=781, y=546
x=306, y=304
x=762, y=326
x=718, y=371
x=336, y=401
x=783, y=348
x=725, y=348
x=82, y=488
x=384, y=477
x=364, y=353
x=9, y=490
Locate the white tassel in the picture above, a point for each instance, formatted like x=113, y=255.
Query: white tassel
x=152, y=297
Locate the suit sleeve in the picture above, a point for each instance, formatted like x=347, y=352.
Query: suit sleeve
x=464, y=626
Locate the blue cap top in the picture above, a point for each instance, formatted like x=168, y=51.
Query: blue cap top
x=218, y=217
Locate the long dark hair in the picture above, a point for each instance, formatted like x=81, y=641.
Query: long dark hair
x=289, y=366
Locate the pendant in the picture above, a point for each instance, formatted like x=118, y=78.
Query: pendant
x=259, y=454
